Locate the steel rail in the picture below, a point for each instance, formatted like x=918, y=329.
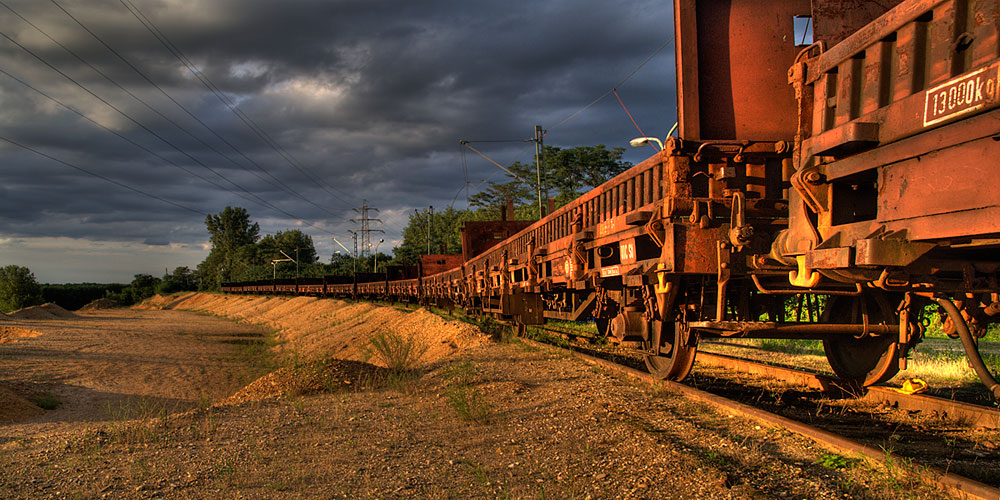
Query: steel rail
x=975, y=416
x=962, y=487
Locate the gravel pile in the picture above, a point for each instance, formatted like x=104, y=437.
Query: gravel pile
x=103, y=303
x=323, y=376
x=14, y=408
x=44, y=311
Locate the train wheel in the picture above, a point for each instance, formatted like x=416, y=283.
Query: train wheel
x=668, y=356
x=861, y=362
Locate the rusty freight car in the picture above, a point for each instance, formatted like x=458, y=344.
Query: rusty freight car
x=850, y=175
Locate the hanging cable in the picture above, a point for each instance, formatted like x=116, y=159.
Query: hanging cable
x=249, y=122
x=153, y=133
x=619, y=84
x=641, y=133
x=276, y=182
x=99, y=176
x=161, y=115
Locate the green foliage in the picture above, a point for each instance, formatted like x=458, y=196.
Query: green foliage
x=73, y=296
x=470, y=404
x=142, y=287
x=834, y=461
x=271, y=247
x=18, y=288
x=183, y=279
x=233, y=236
x=565, y=173
x=239, y=253
x=445, y=227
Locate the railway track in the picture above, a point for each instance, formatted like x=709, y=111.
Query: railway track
x=873, y=435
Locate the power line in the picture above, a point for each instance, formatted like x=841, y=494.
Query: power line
x=613, y=87
x=224, y=99
x=366, y=230
x=99, y=176
x=280, y=184
x=249, y=122
x=150, y=131
x=133, y=120
x=141, y=101
x=118, y=134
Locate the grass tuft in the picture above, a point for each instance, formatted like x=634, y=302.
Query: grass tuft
x=401, y=354
x=470, y=404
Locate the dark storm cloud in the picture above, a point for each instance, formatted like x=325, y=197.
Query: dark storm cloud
x=368, y=97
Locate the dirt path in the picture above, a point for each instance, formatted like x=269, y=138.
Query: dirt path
x=484, y=420
x=95, y=361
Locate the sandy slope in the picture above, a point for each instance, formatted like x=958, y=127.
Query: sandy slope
x=312, y=327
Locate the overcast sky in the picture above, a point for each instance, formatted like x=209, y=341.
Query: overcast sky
x=318, y=105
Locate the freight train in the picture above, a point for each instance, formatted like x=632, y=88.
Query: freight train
x=851, y=174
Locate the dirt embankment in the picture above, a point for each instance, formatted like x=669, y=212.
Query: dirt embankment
x=486, y=421
x=312, y=328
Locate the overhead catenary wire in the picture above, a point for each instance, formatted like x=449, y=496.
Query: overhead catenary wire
x=129, y=117
x=276, y=182
x=212, y=87
x=158, y=136
x=615, y=86
x=601, y=97
x=99, y=176
x=637, y=127
x=153, y=109
x=122, y=136
x=252, y=125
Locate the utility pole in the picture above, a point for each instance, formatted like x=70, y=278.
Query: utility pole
x=365, y=230
x=538, y=166
x=354, y=234
x=430, y=225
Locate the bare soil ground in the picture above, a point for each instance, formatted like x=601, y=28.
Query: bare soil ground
x=143, y=414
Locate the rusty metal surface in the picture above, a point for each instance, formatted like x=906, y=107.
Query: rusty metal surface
x=439, y=263
x=951, y=180
x=835, y=20
x=732, y=56
x=905, y=73
x=480, y=236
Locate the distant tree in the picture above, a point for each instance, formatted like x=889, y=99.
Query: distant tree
x=180, y=280
x=18, y=288
x=342, y=264
x=142, y=287
x=73, y=296
x=270, y=247
x=233, y=236
x=493, y=199
x=565, y=174
x=445, y=234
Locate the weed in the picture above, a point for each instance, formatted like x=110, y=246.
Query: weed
x=400, y=354
x=136, y=420
x=716, y=458
x=47, y=401
x=478, y=472
x=496, y=330
x=470, y=404
x=461, y=373
x=834, y=461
